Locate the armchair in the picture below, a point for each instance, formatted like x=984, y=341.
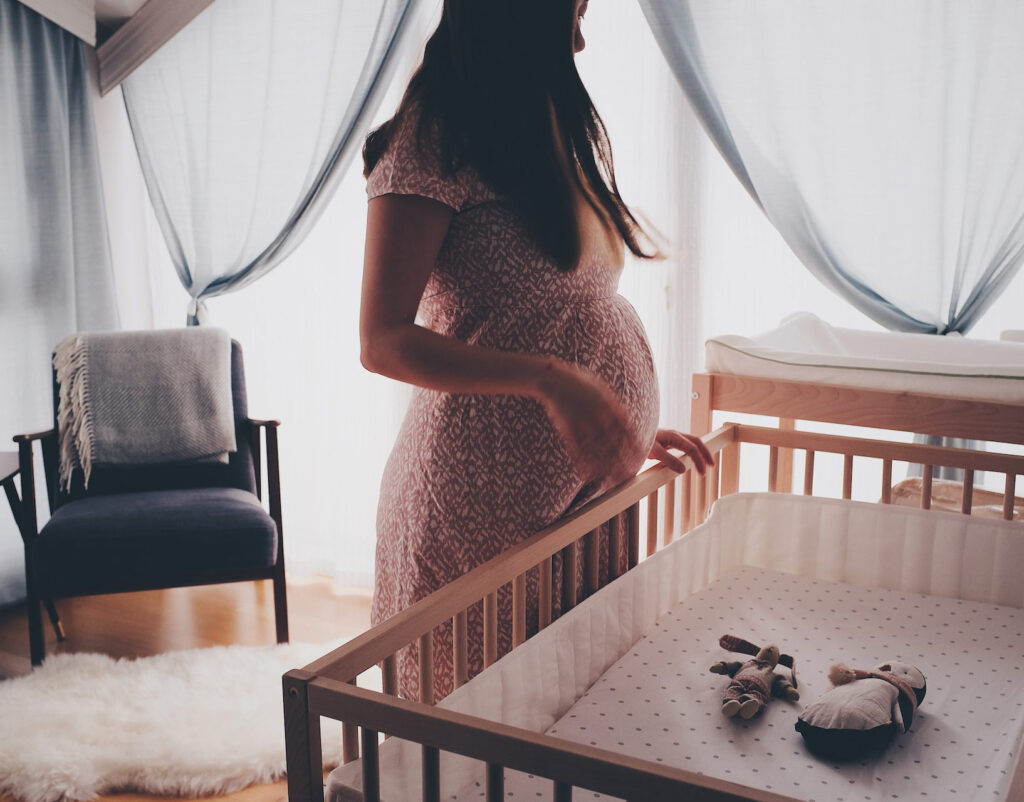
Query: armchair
x=144, y=528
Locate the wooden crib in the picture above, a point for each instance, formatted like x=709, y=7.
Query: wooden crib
x=659, y=505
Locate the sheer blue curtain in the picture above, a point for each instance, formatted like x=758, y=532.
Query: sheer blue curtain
x=55, y=272
x=881, y=139
x=245, y=122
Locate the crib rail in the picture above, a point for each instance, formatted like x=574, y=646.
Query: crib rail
x=928, y=456
x=670, y=504
x=566, y=763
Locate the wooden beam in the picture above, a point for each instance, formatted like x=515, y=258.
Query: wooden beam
x=151, y=27
x=77, y=17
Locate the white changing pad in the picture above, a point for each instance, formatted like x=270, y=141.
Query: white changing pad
x=805, y=348
x=660, y=703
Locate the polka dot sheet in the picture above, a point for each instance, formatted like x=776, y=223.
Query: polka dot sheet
x=659, y=701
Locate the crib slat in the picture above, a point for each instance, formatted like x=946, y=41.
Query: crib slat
x=1008, y=494
x=652, y=523
x=633, y=536
x=670, y=507
x=427, y=668
x=809, y=473
x=570, y=576
x=490, y=628
x=702, y=498
x=773, y=469
x=389, y=675
x=431, y=774
x=518, y=610
x=716, y=469
x=686, y=505
x=495, y=783
x=349, y=739
x=563, y=792
x=460, y=645
x=926, y=488
x=614, y=547
x=371, y=766
x=730, y=460
x=544, y=594
x=967, y=500
x=887, y=481
x=591, y=561
x=847, y=476
x=785, y=481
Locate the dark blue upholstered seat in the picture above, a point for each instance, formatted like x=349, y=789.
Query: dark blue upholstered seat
x=137, y=541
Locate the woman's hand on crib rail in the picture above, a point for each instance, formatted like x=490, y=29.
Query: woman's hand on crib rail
x=691, y=445
x=593, y=423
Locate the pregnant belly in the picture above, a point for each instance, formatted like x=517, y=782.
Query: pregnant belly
x=604, y=335
x=500, y=454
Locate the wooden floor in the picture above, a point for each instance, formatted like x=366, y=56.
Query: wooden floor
x=140, y=624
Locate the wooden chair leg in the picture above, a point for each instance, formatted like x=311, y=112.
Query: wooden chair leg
x=58, y=627
x=274, y=487
x=36, y=639
x=280, y=603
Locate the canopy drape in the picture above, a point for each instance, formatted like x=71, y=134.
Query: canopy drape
x=245, y=121
x=55, y=270
x=882, y=140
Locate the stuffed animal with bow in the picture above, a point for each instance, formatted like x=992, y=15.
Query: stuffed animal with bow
x=754, y=682
x=864, y=710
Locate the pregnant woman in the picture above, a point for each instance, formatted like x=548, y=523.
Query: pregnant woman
x=495, y=239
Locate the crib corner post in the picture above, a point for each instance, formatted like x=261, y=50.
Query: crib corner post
x=700, y=404
x=303, y=751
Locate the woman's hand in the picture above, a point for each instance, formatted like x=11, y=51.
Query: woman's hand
x=691, y=445
x=592, y=422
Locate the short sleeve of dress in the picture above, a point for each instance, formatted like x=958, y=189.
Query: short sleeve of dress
x=412, y=165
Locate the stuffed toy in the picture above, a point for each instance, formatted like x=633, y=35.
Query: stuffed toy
x=755, y=681
x=864, y=710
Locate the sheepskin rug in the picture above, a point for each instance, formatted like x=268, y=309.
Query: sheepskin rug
x=189, y=723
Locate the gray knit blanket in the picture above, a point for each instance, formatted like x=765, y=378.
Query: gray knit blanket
x=143, y=398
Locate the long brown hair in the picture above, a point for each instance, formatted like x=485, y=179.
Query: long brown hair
x=499, y=82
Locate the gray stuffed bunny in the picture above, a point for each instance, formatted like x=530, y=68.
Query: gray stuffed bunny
x=754, y=682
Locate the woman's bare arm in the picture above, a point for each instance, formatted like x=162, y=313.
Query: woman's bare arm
x=404, y=234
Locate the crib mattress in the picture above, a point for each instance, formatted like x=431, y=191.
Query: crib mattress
x=660, y=703
x=804, y=348
x=829, y=580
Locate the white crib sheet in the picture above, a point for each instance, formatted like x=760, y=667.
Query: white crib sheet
x=805, y=348
x=660, y=703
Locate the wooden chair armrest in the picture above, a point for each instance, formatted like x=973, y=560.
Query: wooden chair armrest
x=28, y=438
x=266, y=423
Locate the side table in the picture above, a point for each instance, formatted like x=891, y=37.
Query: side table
x=8, y=470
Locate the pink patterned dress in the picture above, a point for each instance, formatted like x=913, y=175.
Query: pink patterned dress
x=472, y=475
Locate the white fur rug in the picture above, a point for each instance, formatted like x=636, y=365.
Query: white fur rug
x=191, y=723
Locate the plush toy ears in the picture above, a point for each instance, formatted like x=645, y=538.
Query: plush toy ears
x=733, y=644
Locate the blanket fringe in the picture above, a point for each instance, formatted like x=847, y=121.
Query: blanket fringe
x=74, y=417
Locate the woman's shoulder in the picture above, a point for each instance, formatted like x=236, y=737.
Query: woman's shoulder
x=413, y=163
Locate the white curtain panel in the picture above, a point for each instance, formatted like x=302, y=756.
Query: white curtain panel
x=881, y=139
x=55, y=270
x=245, y=122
